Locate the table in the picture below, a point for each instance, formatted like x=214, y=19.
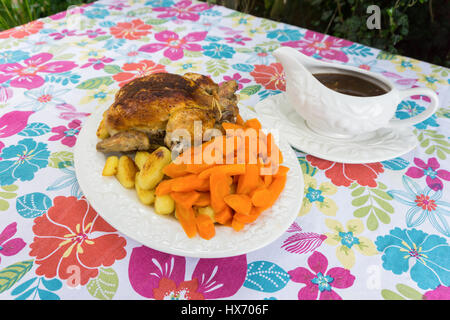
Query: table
x=365, y=231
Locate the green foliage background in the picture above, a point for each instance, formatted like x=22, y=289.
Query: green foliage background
x=416, y=28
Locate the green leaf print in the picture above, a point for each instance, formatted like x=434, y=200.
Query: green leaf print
x=216, y=67
x=95, y=83
x=13, y=273
x=404, y=292
x=373, y=204
x=105, y=286
x=7, y=194
x=433, y=143
x=61, y=159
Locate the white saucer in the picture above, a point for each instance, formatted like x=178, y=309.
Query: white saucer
x=275, y=113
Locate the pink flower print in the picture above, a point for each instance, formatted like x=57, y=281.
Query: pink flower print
x=62, y=34
x=238, y=39
x=321, y=282
x=430, y=170
x=440, y=293
x=67, y=135
x=8, y=246
x=238, y=78
x=159, y=275
x=173, y=45
x=27, y=76
x=5, y=94
x=13, y=122
x=97, y=63
x=182, y=10
x=94, y=33
x=327, y=47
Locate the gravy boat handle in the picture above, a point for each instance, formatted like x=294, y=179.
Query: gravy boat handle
x=428, y=112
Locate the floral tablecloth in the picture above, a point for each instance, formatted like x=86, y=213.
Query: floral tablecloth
x=365, y=231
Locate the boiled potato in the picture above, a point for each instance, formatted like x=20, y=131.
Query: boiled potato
x=145, y=196
x=102, y=133
x=152, y=171
x=126, y=172
x=164, y=204
x=111, y=165
x=208, y=210
x=140, y=158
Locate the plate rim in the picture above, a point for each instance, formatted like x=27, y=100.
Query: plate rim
x=95, y=203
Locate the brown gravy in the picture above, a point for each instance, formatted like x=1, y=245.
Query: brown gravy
x=351, y=85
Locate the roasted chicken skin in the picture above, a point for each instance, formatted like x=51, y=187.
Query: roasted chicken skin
x=159, y=104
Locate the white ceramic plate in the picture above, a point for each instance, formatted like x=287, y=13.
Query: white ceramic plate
x=383, y=144
x=121, y=208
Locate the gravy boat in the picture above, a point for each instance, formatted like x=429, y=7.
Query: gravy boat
x=337, y=115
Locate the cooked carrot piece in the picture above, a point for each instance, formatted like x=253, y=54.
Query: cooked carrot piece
x=189, y=183
x=249, y=180
x=185, y=199
x=282, y=171
x=231, y=126
x=268, y=180
x=253, y=123
x=219, y=185
x=164, y=187
x=266, y=197
x=241, y=203
x=186, y=216
x=254, y=214
x=174, y=170
x=224, y=216
x=237, y=225
x=205, y=226
x=226, y=169
x=197, y=168
x=203, y=200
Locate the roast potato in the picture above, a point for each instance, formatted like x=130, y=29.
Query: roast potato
x=208, y=210
x=111, y=165
x=164, y=204
x=145, y=196
x=140, y=158
x=126, y=172
x=152, y=171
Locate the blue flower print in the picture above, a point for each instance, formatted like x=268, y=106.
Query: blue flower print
x=425, y=204
x=284, y=35
x=323, y=282
x=218, y=51
x=407, y=109
x=22, y=161
x=96, y=13
x=12, y=56
x=428, y=254
x=160, y=3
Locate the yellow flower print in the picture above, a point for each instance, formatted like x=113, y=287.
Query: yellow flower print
x=316, y=196
x=431, y=80
x=100, y=95
x=242, y=19
x=403, y=64
x=348, y=239
x=187, y=66
x=94, y=53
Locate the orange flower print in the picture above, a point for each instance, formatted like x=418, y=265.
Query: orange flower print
x=137, y=70
x=271, y=76
x=22, y=31
x=130, y=30
x=71, y=234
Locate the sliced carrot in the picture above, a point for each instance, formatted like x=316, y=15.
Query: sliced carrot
x=219, y=185
x=185, y=199
x=186, y=216
x=272, y=150
x=231, y=126
x=227, y=169
x=249, y=180
x=253, y=123
x=282, y=171
x=224, y=216
x=164, y=187
x=174, y=170
x=237, y=225
x=197, y=168
x=203, y=200
x=266, y=197
x=205, y=226
x=254, y=214
x=240, y=203
x=190, y=182
x=268, y=179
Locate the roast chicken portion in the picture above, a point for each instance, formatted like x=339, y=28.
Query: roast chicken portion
x=149, y=111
